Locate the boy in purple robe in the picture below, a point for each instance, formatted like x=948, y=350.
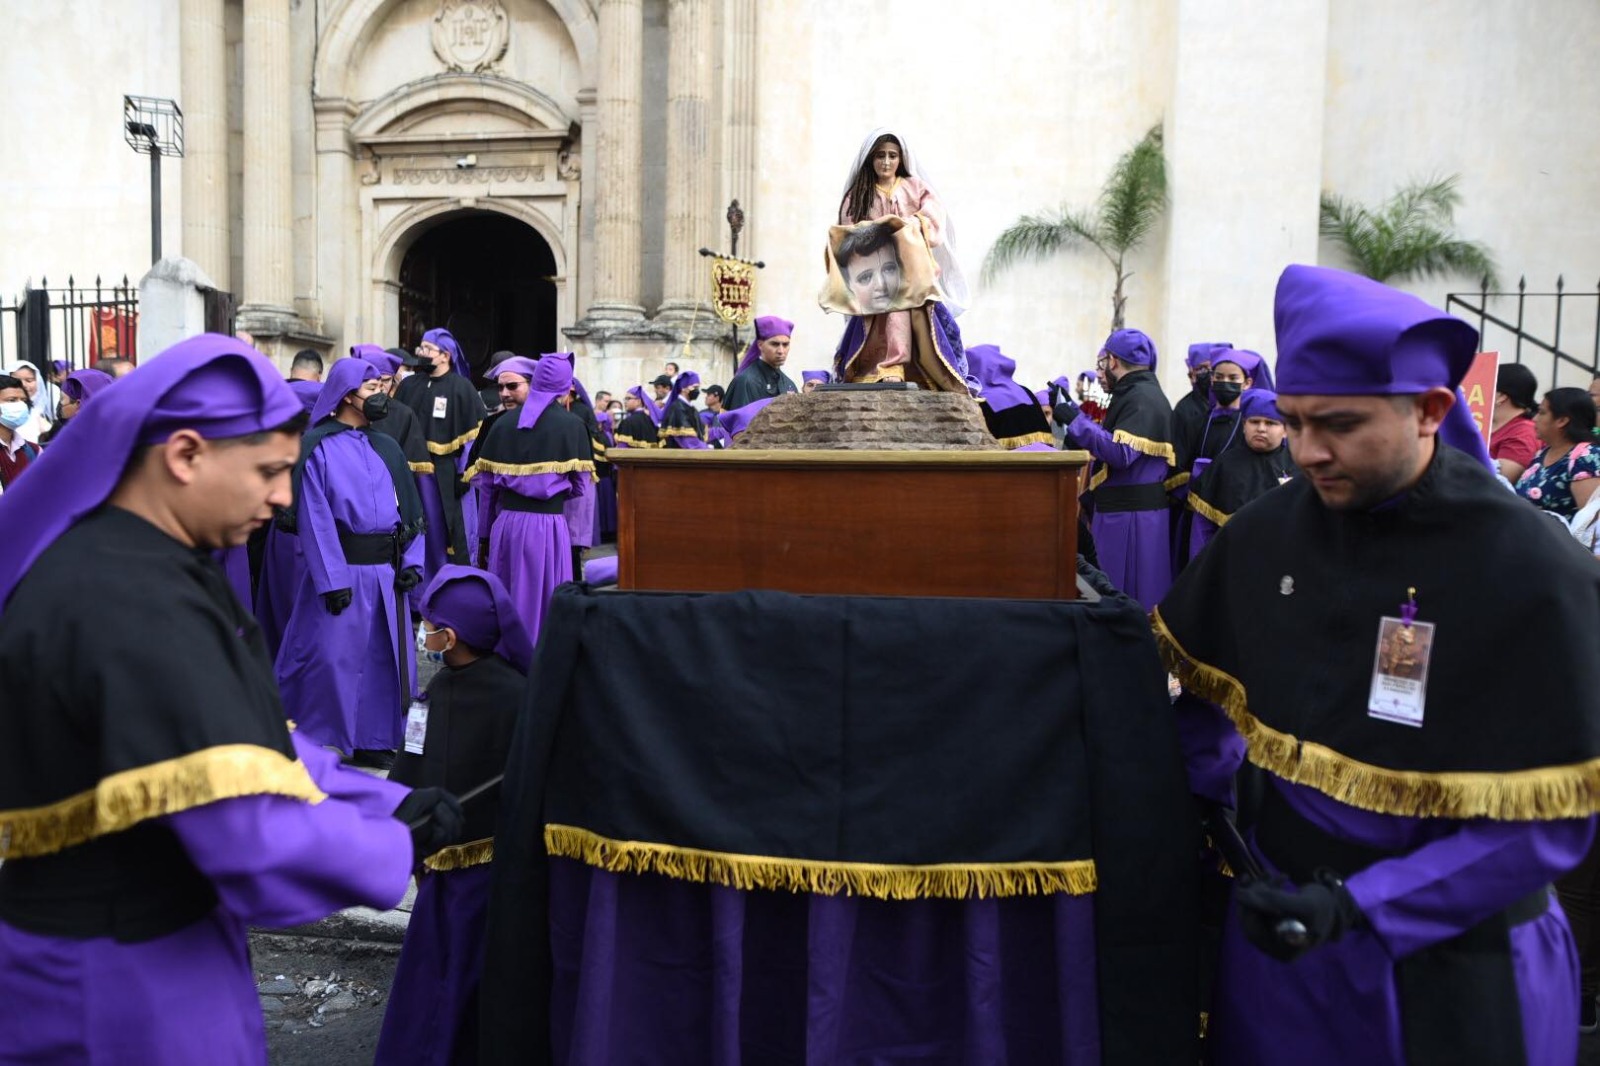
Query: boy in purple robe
x=154, y=803
x=345, y=666
x=1010, y=411
x=640, y=421
x=1234, y=371
x=1412, y=802
x=527, y=467
x=1242, y=474
x=1133, y=457
x=810, y=379
x=468, y=714
x=680, y=425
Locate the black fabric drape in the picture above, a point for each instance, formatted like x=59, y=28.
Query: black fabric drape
x=888, y=730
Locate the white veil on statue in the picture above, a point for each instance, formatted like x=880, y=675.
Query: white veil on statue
x=951, y=279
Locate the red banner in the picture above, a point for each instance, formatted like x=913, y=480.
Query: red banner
x=113, y=332
x=1479, y=387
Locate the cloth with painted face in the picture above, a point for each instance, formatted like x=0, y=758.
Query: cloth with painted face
x=1447, y=827
x=1239, y=475
x=154, y=805
x=346, y=676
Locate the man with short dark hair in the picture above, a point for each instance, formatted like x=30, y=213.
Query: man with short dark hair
x=760, y=375
x=662, y=386
x=1414, y=800
x=154, y=803
x=307, y=366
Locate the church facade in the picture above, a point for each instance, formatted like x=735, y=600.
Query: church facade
x=541, y=175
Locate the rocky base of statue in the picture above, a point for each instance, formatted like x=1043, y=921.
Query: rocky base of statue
x=871, y=420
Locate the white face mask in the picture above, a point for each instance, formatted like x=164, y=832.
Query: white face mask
x=13, y=413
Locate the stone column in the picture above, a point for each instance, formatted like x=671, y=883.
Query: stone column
x=691, y=172
x=739, y=82
x=268, y=291
x=204, y=86
x=619, y=161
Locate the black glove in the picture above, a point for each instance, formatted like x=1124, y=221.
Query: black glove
x=408, y=579
x=1065, y=411
x=441, y=819
x=1325, y=907
x=337, y=600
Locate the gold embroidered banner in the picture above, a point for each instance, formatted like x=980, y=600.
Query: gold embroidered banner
x=733, y=290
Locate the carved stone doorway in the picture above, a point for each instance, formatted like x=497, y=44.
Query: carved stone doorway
x=488, y=279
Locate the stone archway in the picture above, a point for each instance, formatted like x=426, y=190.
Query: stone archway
x=487, y=278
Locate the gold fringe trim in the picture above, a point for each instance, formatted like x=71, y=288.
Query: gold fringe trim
x=461, y=856
x=1145, y=446
x=453, y=446
x=1011, y=444
x=628, y=442
x=421, y=468
x=677, y=431
x=488, y=466
x=125, y=799
x=1099, y=477
x=1541, y=794
x=940, y=881
x=1176, y=481
x=1208, y=512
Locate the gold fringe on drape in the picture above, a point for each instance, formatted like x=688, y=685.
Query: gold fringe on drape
x=421, y=468
x=125, y=799
x=1099, y=477
x=627, y=441
x=677, y=431
x=939, y=881
x=486, y=466
x=461, y=856
x=453, y=446
x=1208, y=512
x=1145, y=446
x=1545, y=793
x=1011, y=444
x=1176, y=481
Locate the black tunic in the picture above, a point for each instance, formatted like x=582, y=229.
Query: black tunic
x=758, y=381
x=1239, y=476
x=681, y=422
x=447, y=428
x=637, y=431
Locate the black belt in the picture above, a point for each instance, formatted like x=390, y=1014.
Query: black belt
x=1148, y=497
x=513, y=501
x=1458, y=998
x=370, y=549
x=132, y=886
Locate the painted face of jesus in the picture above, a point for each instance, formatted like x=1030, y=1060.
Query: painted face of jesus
x=874, y=279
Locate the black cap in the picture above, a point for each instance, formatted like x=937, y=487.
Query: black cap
x=663, y=380
x=407, y=359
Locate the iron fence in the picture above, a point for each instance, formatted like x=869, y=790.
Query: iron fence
x=76, y=324
x=1517, y=323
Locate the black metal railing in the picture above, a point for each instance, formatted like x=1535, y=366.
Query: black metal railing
x=1516, y=323
x=77, y=324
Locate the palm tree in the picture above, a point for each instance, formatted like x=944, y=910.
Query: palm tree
x=1130, y=205
x=1410, y=236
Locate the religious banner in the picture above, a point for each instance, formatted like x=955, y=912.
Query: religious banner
x=112, y=332
x=1478, y=386
x=733, y=290
x=880, y=266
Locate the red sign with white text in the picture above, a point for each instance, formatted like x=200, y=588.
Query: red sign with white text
x=1479, y=388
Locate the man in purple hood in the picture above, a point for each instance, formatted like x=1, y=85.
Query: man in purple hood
x=1411, y=801
x=154, y=803
x=760, y=373
x=451, y=411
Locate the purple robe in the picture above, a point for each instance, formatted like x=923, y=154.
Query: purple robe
x=190, y=996
x=530, y=553
x=341, y=674
x=282, y=567
x=579, y=512
x=1338, y=1003
x=1134, y=546
x=432, y=1018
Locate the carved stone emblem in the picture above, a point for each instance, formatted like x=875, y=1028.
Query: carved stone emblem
x=471, y=35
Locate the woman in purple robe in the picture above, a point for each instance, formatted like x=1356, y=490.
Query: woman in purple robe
x=153, y=802
x=526, y=469
x=345, y=666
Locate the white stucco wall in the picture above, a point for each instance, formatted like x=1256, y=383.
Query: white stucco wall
x=77, y=198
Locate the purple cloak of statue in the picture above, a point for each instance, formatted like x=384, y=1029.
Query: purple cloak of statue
x=947, y=348
x=346, y=677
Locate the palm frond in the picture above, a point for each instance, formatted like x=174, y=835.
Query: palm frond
x=1135, y=195
x=1039, y=236
x=1410, y=236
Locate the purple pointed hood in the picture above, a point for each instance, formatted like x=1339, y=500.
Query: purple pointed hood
x=447, y=340
x=996, y=374
x=476, y=605
x=344, y=377
x=82, y=384
x=386, y=362
x=766, y=326
x=216, y=386
x=552, y=379
x=650, y=408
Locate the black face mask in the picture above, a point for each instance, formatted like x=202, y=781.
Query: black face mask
x=1225, y=392
x=692, y=394
x=375, y=408
x=1202, y=383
